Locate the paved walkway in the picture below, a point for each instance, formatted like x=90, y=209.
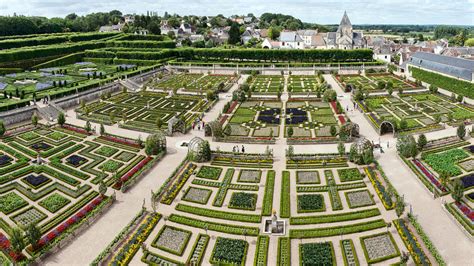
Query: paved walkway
x=455, y=247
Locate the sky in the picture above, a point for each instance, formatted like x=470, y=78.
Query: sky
x=454, y=12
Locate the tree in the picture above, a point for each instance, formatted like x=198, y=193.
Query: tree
x=234, y=34
x=88, y=127
x=460, y=98
x=61, y=119
x=341, y=149
x=329, y=95
x=33, y=235
x=469, y=42
x=34, y=120
x=102, y=188
x=154, y=144
x=159, y=122
x=403, y=124
x=399, y=206
x=2, y=128
x=407, y=146
x=206, y=151
x=461, y=131
x=273, y=33
x=333, y=130
x=102, y=129
x=154, y=28
x=422, y=141
x=210, y=95
x=17, y=241
x=289, y=132
x=457, y=191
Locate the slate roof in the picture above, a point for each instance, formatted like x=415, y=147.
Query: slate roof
x=290, y=36
x=456, y=67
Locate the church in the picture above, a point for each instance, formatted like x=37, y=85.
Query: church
x=345, y=37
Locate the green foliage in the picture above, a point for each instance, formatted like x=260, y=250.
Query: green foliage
x=461, y=131
x=102, y=129
x=457, y=86
x=311, y=203
x=17, y=240
x=407, y=146
x=289, y=132
x=61, y=119
x=317, y=254
x=229, y=251
x=154, y=144
x=458, y=189
x=33, y=234
x=243, y=200
x=445, y=162
x=2, y=128
x=422, y=141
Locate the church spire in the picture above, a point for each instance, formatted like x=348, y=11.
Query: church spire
x=345, y=20
x=345, y=27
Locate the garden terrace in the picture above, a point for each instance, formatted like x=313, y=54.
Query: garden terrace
x=192, y=82
x=375, y=82
x=58, y=81
x=421, y=112
x=62, y=191
x=304, y=84
x=215, y=213
x=140, y=111
x=265, y=84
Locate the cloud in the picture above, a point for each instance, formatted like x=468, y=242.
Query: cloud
x=317, y=11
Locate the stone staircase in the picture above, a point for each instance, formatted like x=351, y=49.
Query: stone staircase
x=49, y=112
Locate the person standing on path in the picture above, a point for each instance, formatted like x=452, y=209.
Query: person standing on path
x=243, y=149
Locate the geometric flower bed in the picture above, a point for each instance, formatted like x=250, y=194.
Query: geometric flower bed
x=359, y=198
x=54, y=202
x=209, y=172
x=197, y=195
x=349, y=174
x=249, y=176
x=4, y=160
x=445, y=161
x=229, y=251
x=379, y=247
x=311, y=203
x=172, y=239
x=66, y=186
x=307, y=177
x=243, y=200
x=29, y=216
x=317, y=254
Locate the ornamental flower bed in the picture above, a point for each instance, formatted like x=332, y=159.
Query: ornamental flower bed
x=76, y=129
x=412, y=243
x=121, y=141
x=342, y=119
x=5, y=247
x=466, y=210
x=75, y=219
x=132, y=172
x=427, y=174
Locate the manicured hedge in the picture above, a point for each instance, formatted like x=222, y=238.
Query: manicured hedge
x=451, y=84
x=262, y=250
x=334, y=218
x=268, y=196
x=337, y=230
x=143, y=44
x=231, y=216
x=284, y=251
x=285, y=205
x=218, y=227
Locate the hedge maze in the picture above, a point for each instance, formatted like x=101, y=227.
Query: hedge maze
x=192, y=82
x=69, y=183
x=140, y=111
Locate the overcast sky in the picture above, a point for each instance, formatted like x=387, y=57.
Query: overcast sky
x=458, y=12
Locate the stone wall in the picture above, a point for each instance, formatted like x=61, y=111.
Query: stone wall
x=18, y=115
x=87, y=96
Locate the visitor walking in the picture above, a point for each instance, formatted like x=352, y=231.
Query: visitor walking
x=243, y=149
x=194, y=125
x=388, y=144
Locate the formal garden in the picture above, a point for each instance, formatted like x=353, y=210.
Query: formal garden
x=414, y=113
x=192, y=82
x=145, y=111
x=335, y=211
x=54, y=179
x=378, y=82
x=445, y=167
x=299, y=119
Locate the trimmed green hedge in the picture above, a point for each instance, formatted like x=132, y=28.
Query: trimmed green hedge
x=268, y=196
x=337, y=230
x=334, y=218
x=218, y=227
x=231, y=216
x=451, y=84
x=285, y=205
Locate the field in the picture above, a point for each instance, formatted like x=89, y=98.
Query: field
x=422, y=112
x=140, y=111
x=308, y=119
x=370, y=82
x=68, y=185
x=192, y=82
x=221, y=227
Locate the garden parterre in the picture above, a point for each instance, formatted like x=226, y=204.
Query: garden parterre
x=370, y=82
x=65, y=187
x=421, y=112
x=192, y=82
x=140, y=111
x=223, y=207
